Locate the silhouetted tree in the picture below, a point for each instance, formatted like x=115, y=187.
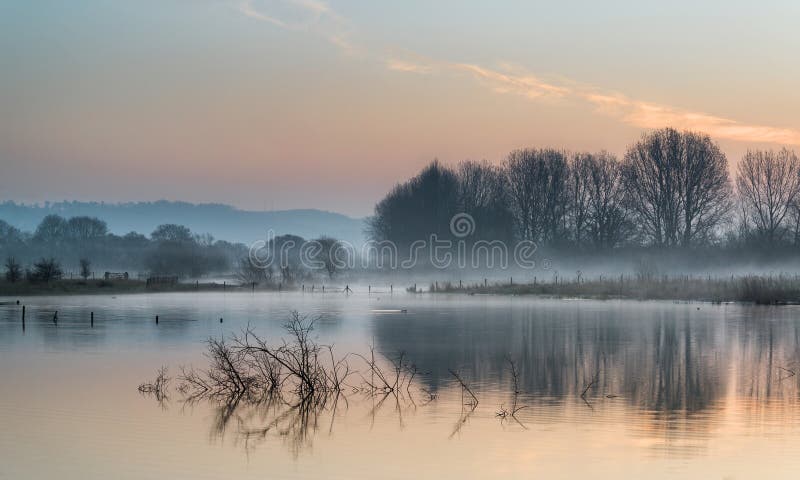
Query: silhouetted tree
x=579, y=191
x=52, y=228
x=248, y=272
x=677, y=185
x=286, y=255
x=172, y=233
x=330, y=255
x=606, y=223
x=13, y=270
x=418, y=208
x=482, y=193
x=9, y=234
x=768, y=185
x=177, y=252
x=85, y=228
x=46, y=269
x=86, y=268
x=537, y=186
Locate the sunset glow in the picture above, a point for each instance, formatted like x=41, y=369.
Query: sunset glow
x=260, y=93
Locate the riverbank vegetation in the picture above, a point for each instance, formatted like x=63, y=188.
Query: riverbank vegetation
x=763, y=290
x=102, y=286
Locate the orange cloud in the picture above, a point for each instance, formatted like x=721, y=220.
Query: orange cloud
x=516, y=81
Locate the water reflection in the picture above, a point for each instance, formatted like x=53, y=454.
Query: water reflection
x=674, y=366
x=675, y=384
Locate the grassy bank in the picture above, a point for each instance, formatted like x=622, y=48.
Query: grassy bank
x=88, y=287
x=766, y=290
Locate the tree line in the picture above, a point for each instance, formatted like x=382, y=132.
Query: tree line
x=671, y=189
x=83, y=243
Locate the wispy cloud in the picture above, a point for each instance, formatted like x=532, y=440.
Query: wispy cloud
x=312, y=16
x=320, y=18
x=634, y=112
x=528, y=86
x=404, y=66
x=644, y=114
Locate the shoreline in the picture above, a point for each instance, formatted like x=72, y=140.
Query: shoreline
x=760, y=290
x=114, y=287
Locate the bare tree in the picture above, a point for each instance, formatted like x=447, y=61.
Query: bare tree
x=86, y=268
x=677, y=185
x=13, y=270
x=579, y=196
x=249, y=273
x=46, y=269
x=330, y=255
x=608, y=224
x=537, y=185
x=85, y=228
x=768, y=184
x=706, y=188
x=482, y=194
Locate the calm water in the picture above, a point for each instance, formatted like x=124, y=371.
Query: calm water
x=679, y=391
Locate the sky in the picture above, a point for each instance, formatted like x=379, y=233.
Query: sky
x=278, y=104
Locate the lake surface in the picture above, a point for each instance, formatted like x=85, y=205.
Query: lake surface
x=675, y=390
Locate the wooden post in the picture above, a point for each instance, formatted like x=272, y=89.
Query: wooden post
x=91, y=322
x=23, y=318
x=156, y=319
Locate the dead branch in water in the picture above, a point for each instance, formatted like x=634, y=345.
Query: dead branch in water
x=504, y=413
x=590, y=385
x=465, y=388
x=158, y=387
x=789, y=373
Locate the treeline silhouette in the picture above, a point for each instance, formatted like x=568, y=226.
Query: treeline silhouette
x=84, y=244
x=670, y=191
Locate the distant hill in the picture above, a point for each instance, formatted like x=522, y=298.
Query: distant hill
x=222, y=221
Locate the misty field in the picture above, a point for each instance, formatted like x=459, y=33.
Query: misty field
x=762, y=290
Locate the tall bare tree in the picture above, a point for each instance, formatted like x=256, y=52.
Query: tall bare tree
x=579, y=191
x=678, y=186
x=705, y=188
x=537, y=186
x=768, y=185
x=607, y=218
x=482, y=194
